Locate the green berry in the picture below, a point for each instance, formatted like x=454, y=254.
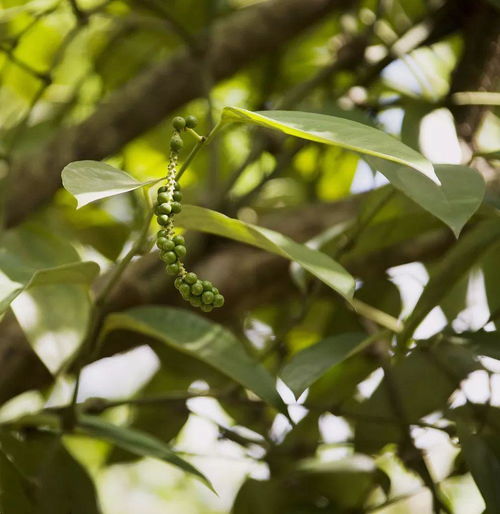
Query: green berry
x=160, y=242
x=163, y=219
x=218, y=300
x=176, y=207
x=163, y=198
x=164, y=208
x=197, y=288
x=207, y=297
x=176, y=143
x=173, y=269
x=180, y=250
x=195, y=301
x=167, y=244
x=215, y=291
x=190, y=278
x=178, y=240
x=162, y=189
x=185, y=290
x=177, y=186
x=179, y=123
x=207, y=285
x=169, y=257
x=177, y=196
x=191, y=121
x=178, y=282
x=206, y=308
x=162, y=233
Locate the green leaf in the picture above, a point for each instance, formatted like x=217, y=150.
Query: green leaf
x=59, y=482
x=481, y=342
x=307, y=366
x=30, y=258
x=455, y=264
x=136, y=442
x=202, y=339
x=422, y=381
x=14, y=488
x=337, y=132
x=453, y=202
x=89, y=181
x=317, y=263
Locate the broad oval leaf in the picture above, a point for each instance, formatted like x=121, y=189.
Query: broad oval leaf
x=319, y=264
x=136, y=442
x=335, y=131
x=307, y=366
x=453, y=202
x=202, y=339
x=89, y=181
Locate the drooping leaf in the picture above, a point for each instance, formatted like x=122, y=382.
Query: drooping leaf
x=202, y=339
x=335, y=131
x=307, y=366
x=136, y=442
x=453, y=202
x=460, y=258
x=59, y=483
x=317, y=263
x=89, y=181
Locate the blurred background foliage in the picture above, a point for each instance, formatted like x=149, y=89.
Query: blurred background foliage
x=85, y=79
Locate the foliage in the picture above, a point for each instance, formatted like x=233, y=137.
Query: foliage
x=297, y=196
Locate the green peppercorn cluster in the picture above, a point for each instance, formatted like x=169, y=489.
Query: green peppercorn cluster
x=199, y=293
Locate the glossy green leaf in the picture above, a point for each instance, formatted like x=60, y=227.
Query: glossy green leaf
x=89, y=181
x=481, y=342
x=455, y=264
x=307, y=366
x=317, y=263
x=202, y=339
x=136, y=442
x=335, y=131
x=453, y=202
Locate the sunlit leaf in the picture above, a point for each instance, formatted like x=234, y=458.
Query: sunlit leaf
x=317, y=263
x=202, y=339
x=335, y=131
x=89, y=181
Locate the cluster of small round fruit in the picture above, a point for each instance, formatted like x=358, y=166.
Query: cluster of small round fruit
x=199, y=293
x=172, y=248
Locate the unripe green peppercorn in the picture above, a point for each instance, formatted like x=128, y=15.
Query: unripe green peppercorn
x=191, y=121
x=218, y=300
x=163, y=198
x=207, y=285
x=178, y=282
x=215, y=291
x=197, y=288
x=206, y=308
x=168, y=245
x=173, y=269
x=164, y=208
x=162, y=233
x=176, y=207
x=169, y=257
x=163, y=219
x=177, y=196
x=162, y=189
x=176, y=143
x=185, y=290
x=195, y=301
x=160, y=242
x=207, y=297
x=178, y=240
x=190, y=278
x=177, y=186
x=179, y=123
x=180, y=250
